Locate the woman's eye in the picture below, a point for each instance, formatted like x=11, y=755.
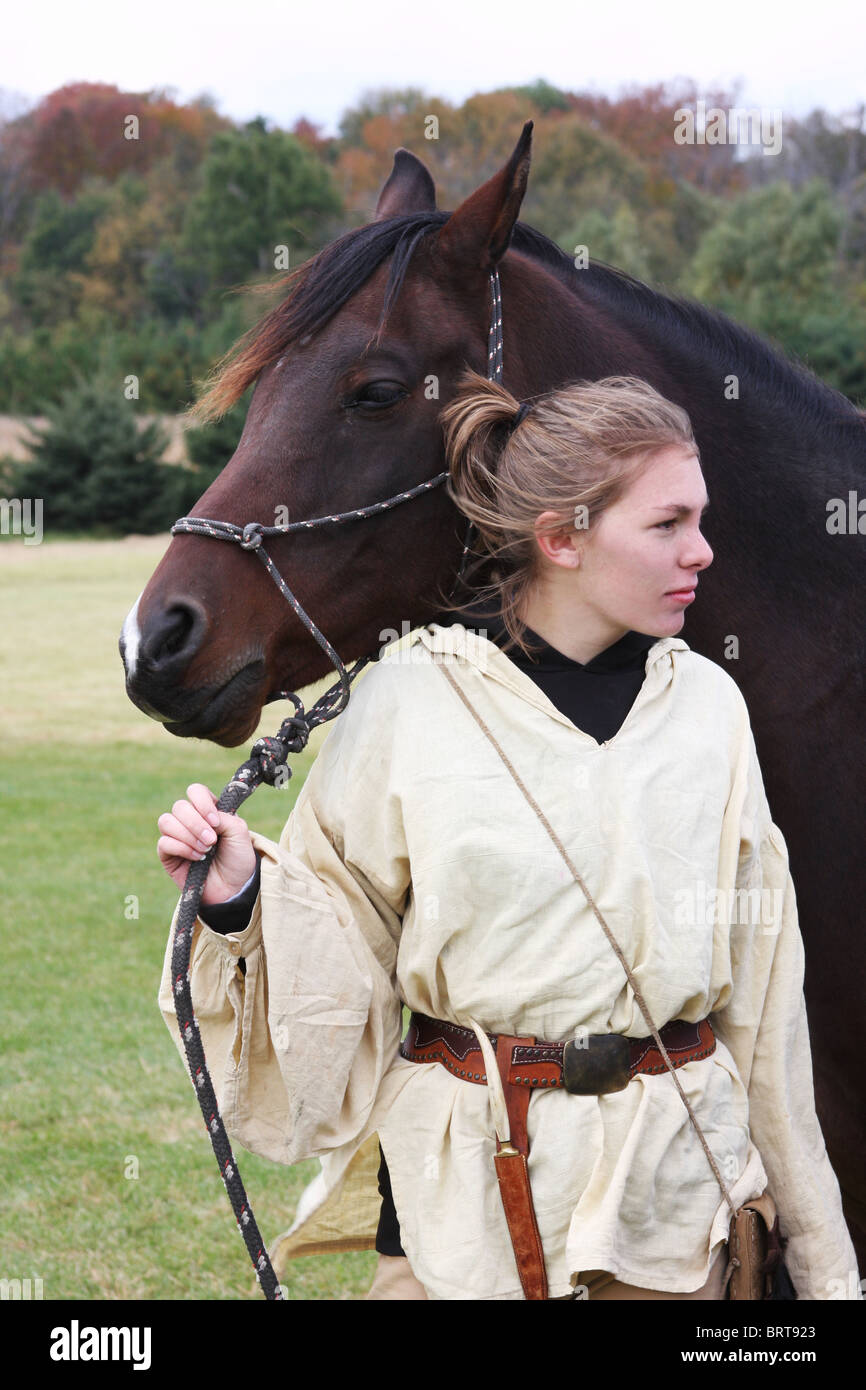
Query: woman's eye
x=662, y=524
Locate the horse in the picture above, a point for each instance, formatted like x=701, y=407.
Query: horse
x=351, y=369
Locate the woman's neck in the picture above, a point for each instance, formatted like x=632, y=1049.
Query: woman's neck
x=572, y=630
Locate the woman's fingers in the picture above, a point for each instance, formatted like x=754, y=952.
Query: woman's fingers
x=190, y=816
x=185, y=825
x=167, y=847
x=212, y=823
x=204, y=802
x=193, y=827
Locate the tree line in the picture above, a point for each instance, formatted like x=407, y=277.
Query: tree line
x=129, y=224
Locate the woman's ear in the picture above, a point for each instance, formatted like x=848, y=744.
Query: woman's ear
x=561, y=547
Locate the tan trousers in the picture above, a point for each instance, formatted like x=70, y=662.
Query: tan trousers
x=395, y=1280
x=601, y=1285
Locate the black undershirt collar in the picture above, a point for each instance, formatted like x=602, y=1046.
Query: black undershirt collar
x=596, y=695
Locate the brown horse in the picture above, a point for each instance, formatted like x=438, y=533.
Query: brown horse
x=351, y=371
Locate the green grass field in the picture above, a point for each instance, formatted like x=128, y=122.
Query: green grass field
x=108, y=1182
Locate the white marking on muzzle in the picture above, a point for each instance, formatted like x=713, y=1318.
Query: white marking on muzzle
x=130, y=637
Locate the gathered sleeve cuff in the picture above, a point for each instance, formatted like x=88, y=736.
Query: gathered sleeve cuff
x=234, y=914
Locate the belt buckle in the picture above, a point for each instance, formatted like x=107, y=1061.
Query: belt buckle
x=600, y=1067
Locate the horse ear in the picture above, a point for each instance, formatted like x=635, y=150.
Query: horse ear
x=408, y=188
x=478, y=232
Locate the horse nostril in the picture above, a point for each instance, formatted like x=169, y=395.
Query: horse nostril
x=173, y=637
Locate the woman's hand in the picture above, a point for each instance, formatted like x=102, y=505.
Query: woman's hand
x=188, y=831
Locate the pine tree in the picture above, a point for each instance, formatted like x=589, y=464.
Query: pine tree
x=94, y=465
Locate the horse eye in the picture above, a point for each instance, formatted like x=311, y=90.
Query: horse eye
x=377, y=394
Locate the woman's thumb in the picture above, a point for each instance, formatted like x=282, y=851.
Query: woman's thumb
x=230, y=826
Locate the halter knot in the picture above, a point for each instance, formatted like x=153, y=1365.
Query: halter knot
x=272, y=752
x=295, y=732
x=252, y=536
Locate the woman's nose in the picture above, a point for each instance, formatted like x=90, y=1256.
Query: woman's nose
x=700, y=554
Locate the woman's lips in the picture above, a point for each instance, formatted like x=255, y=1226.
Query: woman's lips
x=682, y=595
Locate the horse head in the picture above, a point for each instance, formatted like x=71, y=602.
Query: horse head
x=351, y=372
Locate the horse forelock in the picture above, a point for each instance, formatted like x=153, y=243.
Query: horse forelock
x=317, y=291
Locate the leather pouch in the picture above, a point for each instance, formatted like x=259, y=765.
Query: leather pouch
x=756, y=1270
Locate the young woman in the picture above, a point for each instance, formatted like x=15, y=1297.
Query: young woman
x=412, y=870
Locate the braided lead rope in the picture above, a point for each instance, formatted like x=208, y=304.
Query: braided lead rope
x=250, y=536
x=608, y=933
x=268, y=758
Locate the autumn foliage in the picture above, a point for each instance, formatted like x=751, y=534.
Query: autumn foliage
x=129, y=221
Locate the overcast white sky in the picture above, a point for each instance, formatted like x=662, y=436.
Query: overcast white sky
x=284, y=60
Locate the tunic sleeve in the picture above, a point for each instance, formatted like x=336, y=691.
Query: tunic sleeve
x=764, y=1024
x=297, y=1046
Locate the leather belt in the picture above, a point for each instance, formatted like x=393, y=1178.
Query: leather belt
x=594, y=1064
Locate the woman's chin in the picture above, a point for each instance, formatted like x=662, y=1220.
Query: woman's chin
x=666, y=625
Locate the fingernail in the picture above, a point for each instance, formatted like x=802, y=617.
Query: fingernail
x=213, y=818
x=208, y=837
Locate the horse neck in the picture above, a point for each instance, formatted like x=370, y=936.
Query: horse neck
x=737, y=389
x=773, y=457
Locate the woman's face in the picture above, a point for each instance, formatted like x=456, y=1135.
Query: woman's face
x=638, y=567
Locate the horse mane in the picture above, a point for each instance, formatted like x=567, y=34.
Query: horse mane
x=318, y=289
x=687, y=324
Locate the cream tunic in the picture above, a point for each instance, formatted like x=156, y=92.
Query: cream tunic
x=412, y=869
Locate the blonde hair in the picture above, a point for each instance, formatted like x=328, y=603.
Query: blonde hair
x=580, y=446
